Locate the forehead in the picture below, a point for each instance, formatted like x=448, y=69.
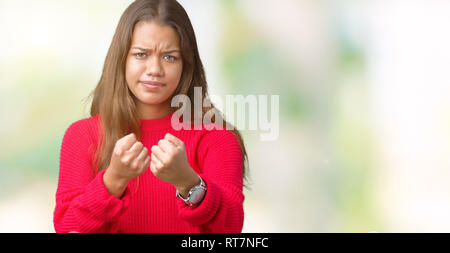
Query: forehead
x=154, y=35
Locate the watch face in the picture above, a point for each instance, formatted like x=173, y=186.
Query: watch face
x=197, y=195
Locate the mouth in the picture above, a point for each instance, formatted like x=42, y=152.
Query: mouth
x=151, y=84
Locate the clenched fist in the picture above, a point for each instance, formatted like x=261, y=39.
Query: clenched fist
x=169, y=163
x=128, y=160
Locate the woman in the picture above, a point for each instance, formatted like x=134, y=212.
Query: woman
x=126, y=169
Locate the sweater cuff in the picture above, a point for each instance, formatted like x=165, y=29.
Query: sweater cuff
x=100, y=203
x=206, y=210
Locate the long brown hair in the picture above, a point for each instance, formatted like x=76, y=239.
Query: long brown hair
x=113, y=100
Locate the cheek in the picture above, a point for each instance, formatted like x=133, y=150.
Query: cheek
x=174, y=74
x=132, y=72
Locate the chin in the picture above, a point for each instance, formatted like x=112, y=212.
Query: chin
x=152, y=100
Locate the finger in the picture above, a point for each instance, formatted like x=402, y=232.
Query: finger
x=142, y=156
x=146, y=163
x=136, y=148
x=152, y=166
x=131, y=154
x=118, y=150
x=173, y=139
x=166, y=145
x=159, y=153
x=127, y=142
x=139, y=161
x=156, y=162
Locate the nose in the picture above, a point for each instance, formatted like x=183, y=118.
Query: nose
x=154, y=67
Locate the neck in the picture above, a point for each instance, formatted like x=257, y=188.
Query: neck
x=146, y=111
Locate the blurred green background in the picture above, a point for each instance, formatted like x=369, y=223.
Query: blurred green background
x=364, y=141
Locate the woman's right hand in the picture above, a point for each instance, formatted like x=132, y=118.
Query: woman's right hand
x=129, y=160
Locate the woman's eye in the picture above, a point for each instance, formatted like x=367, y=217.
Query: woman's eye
x=140, y=55
x=170, y=58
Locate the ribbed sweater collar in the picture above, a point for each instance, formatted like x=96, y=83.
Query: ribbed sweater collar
x=157, y=124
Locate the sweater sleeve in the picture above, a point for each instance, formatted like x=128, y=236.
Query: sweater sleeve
x=221, y=210
x=83, y=204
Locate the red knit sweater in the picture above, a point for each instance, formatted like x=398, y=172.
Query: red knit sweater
x=83, y=203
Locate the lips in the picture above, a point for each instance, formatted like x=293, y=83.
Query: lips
x=152, y=85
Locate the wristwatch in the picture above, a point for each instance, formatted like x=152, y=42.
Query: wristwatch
x=195, y=195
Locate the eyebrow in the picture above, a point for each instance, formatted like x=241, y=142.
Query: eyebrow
x=147, y=49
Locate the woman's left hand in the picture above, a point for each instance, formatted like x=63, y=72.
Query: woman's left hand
x=169, y=163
